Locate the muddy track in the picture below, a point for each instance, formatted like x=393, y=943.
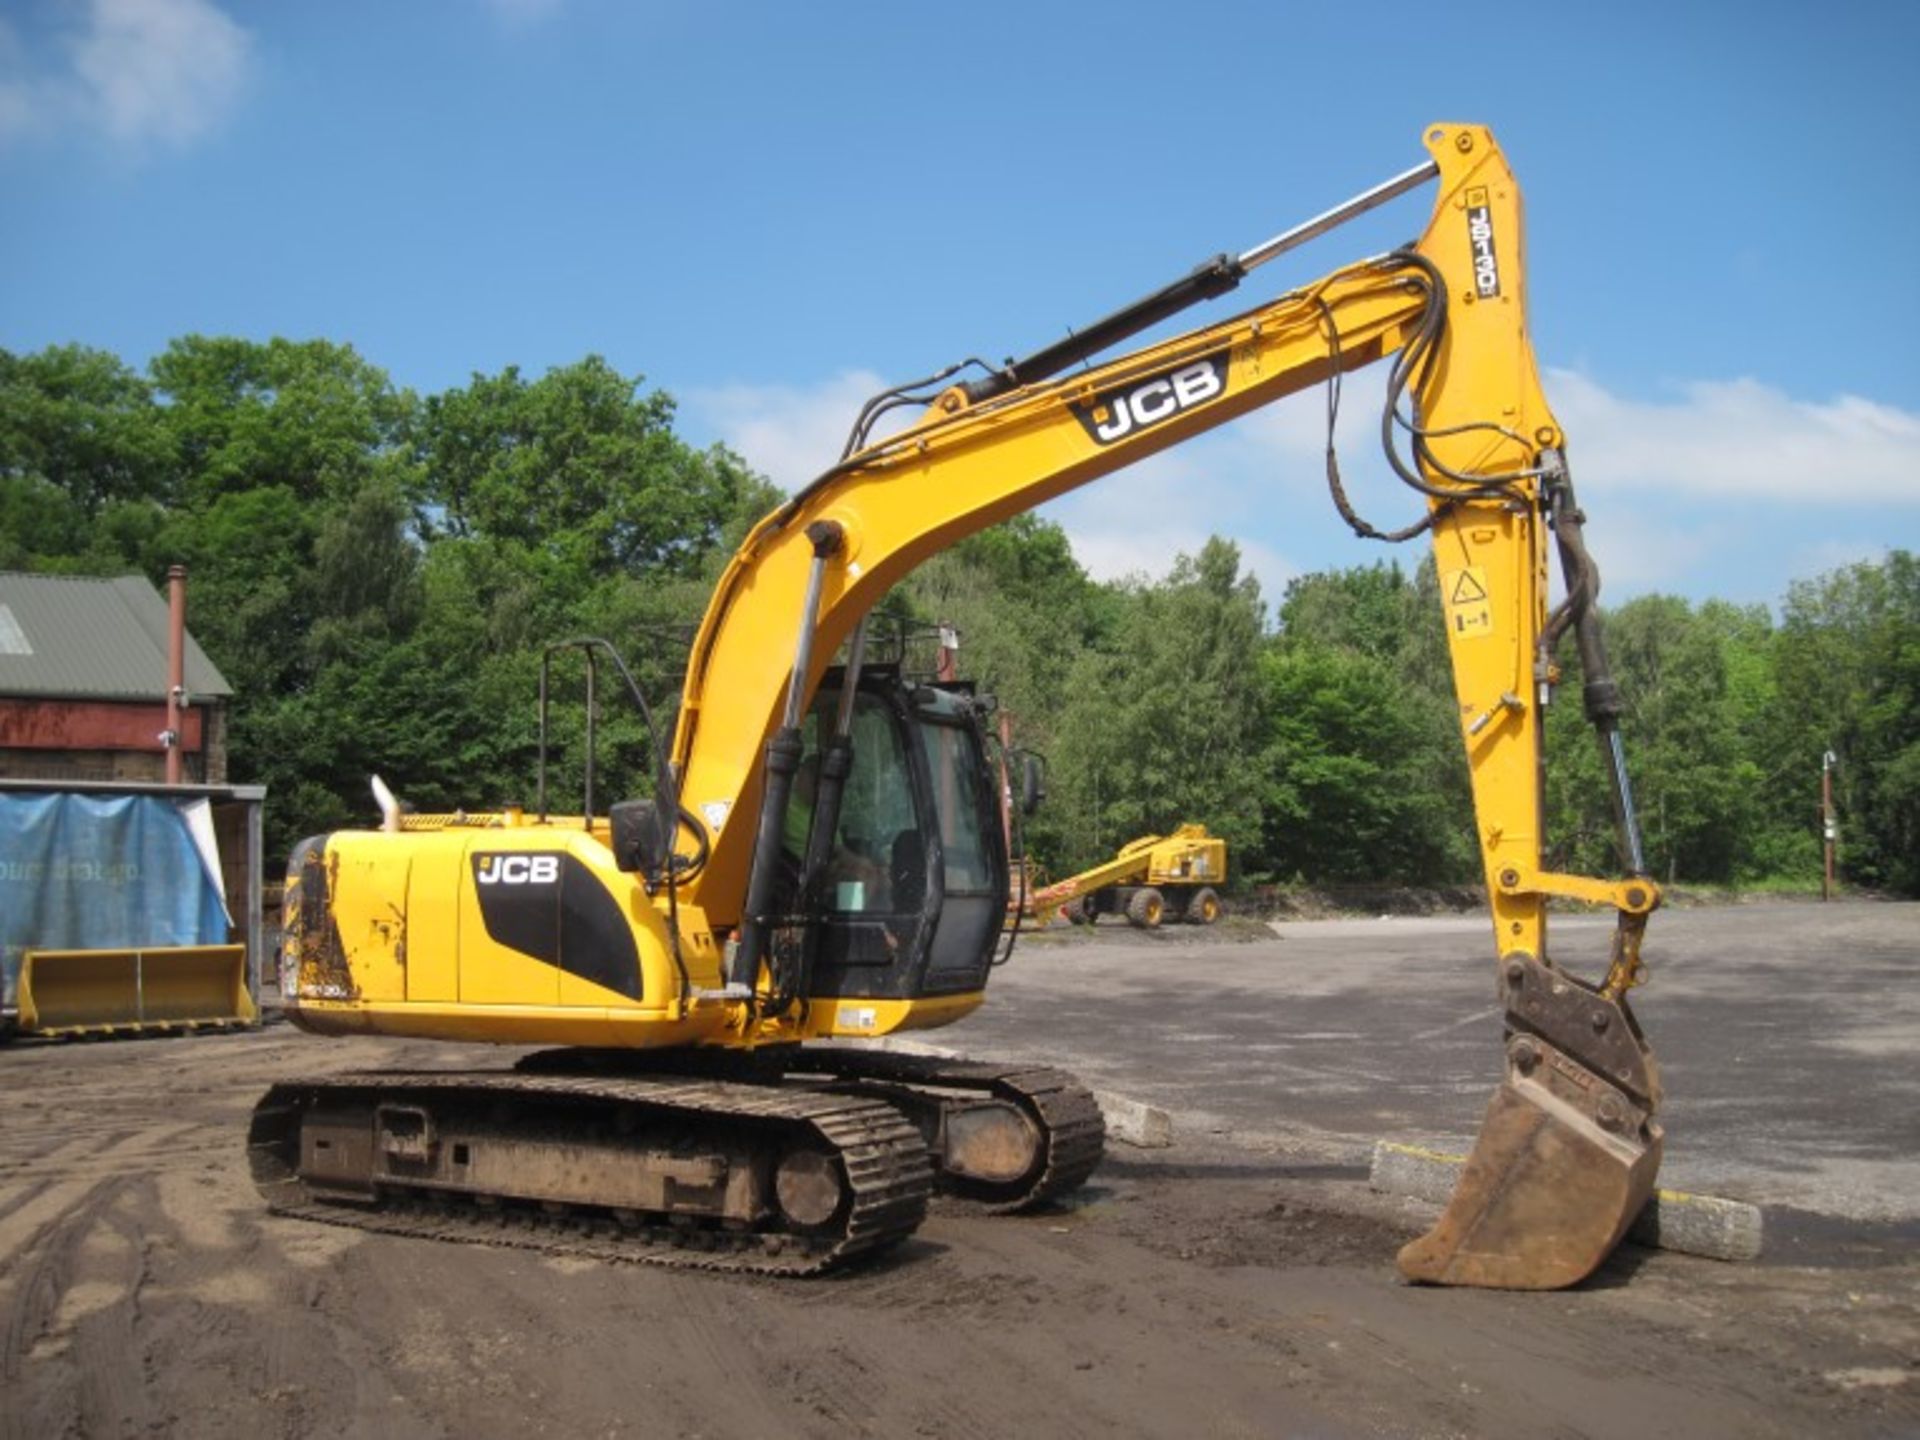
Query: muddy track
x=145, y=1290
x=884, y=1160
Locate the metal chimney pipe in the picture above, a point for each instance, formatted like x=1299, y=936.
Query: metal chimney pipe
x=176, y=667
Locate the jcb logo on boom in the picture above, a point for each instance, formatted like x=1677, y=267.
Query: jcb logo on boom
x=516, y=869
x=1486, y=265
x=1116, y=414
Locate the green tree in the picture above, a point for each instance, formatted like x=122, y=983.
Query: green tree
x=378, y=576
x=309, y=416
x=1848, y=669
x=1371, y=610
x=1685, y=680
x=84, y=460
x=1367, y=779
x=578, y=469
x=1349, y=766
x=1776, y=840
x=1163, y=728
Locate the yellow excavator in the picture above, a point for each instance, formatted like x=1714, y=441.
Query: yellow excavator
x=820, y=857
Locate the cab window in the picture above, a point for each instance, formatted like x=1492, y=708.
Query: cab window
x=876, y=849
x=954, y=763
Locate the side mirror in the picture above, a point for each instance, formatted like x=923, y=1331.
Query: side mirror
x=642, y=840
x=1033, y=782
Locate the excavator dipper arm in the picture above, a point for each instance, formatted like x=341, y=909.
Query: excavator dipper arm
x=1569, y=1148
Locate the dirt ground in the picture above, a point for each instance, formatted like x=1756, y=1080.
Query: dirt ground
x=1215, y=1288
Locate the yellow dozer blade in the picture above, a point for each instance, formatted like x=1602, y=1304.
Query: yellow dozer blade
x=1567, y=1154
x=101, y=992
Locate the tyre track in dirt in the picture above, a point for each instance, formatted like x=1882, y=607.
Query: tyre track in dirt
x=97, y=1318
x=47, y=1215
x=132, y=1278
x=37, y=1299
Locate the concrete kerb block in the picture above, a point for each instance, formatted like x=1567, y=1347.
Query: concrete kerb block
x=1414, y=1171
x=1708, y=1225
x=1132, y=1122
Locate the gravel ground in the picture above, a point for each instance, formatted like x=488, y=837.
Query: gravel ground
x=1240, y=1283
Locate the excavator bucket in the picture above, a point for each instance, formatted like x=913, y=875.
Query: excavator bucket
x=105, y=992
x=1567, y=1154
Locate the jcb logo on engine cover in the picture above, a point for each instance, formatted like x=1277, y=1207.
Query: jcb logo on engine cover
x=1123, y=411
x=516, y=869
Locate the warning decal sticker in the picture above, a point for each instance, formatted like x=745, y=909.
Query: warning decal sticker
x=1469, y=612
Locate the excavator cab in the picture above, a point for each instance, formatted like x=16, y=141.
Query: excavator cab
x=910, y=880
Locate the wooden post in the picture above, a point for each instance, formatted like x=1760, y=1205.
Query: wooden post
x=1828, y=831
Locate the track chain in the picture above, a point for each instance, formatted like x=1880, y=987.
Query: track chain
x=1069, y=1116
x=886, y=1163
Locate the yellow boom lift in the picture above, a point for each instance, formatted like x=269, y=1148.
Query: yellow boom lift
x=1148, y=880
x=819, y=858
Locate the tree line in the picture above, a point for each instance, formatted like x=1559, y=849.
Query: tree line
x=377, y=572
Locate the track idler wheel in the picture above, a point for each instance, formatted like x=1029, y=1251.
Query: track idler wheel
x=810, y=1190
x=1567, y=1154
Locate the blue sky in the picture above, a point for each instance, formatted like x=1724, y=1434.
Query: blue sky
x=772, y=210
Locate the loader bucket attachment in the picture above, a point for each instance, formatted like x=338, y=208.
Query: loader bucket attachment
x=1567, y=1154
x=107, y=992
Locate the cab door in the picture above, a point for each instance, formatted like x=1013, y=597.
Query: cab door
x=876, y=899
x=970, y=856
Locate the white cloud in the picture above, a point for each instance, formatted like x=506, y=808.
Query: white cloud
x=789, y=433
x=1822, y=556
x=1716, y=438
x=1295, y=429
x=1742, y=438
x=1137, y=521
x=161, y=69
x=139, y=72
x=1635, y=557
x=1118, y=555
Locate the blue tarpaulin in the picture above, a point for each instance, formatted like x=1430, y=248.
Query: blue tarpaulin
x=85, y=872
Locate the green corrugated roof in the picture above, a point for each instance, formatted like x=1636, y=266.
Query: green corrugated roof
x=77, y=637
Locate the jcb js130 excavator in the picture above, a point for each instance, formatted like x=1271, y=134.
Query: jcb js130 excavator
x=820, y=856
